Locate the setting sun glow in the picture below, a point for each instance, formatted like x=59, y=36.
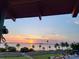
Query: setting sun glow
x=30, y=41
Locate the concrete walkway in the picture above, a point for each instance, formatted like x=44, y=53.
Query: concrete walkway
x=66, y=57
x=75, y=57
x=29, y=57
x=1, y=58
x=25, y=55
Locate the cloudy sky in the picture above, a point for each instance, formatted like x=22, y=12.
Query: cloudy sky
x=52, y=28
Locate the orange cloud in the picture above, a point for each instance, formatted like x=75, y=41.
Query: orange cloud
x=20, y=38
x=32, y=38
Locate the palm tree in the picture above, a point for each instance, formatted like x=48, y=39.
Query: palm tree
x=24, y=49
x=62, y=45
x=49, y=47
x=56, y=46
x=75, y=46
x=18, y=46
x=72, y=46
x=47, y=43
x=39, y=46
x=33, y=46
x=43, y=48
x=66, y=45
x=6, y=46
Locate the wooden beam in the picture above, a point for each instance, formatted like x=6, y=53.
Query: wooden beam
x=75, y=12
x=40, y=11
x=75, y=9
x=20, y=2
x=11, y=13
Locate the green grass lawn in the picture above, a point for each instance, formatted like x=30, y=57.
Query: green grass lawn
x=46, y=56
x=15, y=58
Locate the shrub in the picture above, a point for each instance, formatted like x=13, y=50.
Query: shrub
x=24, y=49
x=11, y=49
x=2, y=50
x=30, y=50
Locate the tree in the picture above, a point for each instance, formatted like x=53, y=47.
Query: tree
x=18, y=46
x=49, y=47
x=6, y=46
x=31, y=50
x=73, y=46
x=24, y=49
x=62, y=45
x=47, y=43
x=2, y=50
x=39, y=46
x=11, y=49
x=66, y=45
x=77, y=48
x=33, y=46
x=43, y=48
x=56, y=46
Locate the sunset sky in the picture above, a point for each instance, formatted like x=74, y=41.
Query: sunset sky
x=52, y=28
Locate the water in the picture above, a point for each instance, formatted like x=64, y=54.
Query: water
x=36, y=46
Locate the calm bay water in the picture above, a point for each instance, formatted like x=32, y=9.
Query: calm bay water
x=36, y=46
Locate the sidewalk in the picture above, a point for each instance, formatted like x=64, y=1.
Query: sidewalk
x=75, y=57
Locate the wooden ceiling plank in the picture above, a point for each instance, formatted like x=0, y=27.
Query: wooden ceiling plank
x=75, y=8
